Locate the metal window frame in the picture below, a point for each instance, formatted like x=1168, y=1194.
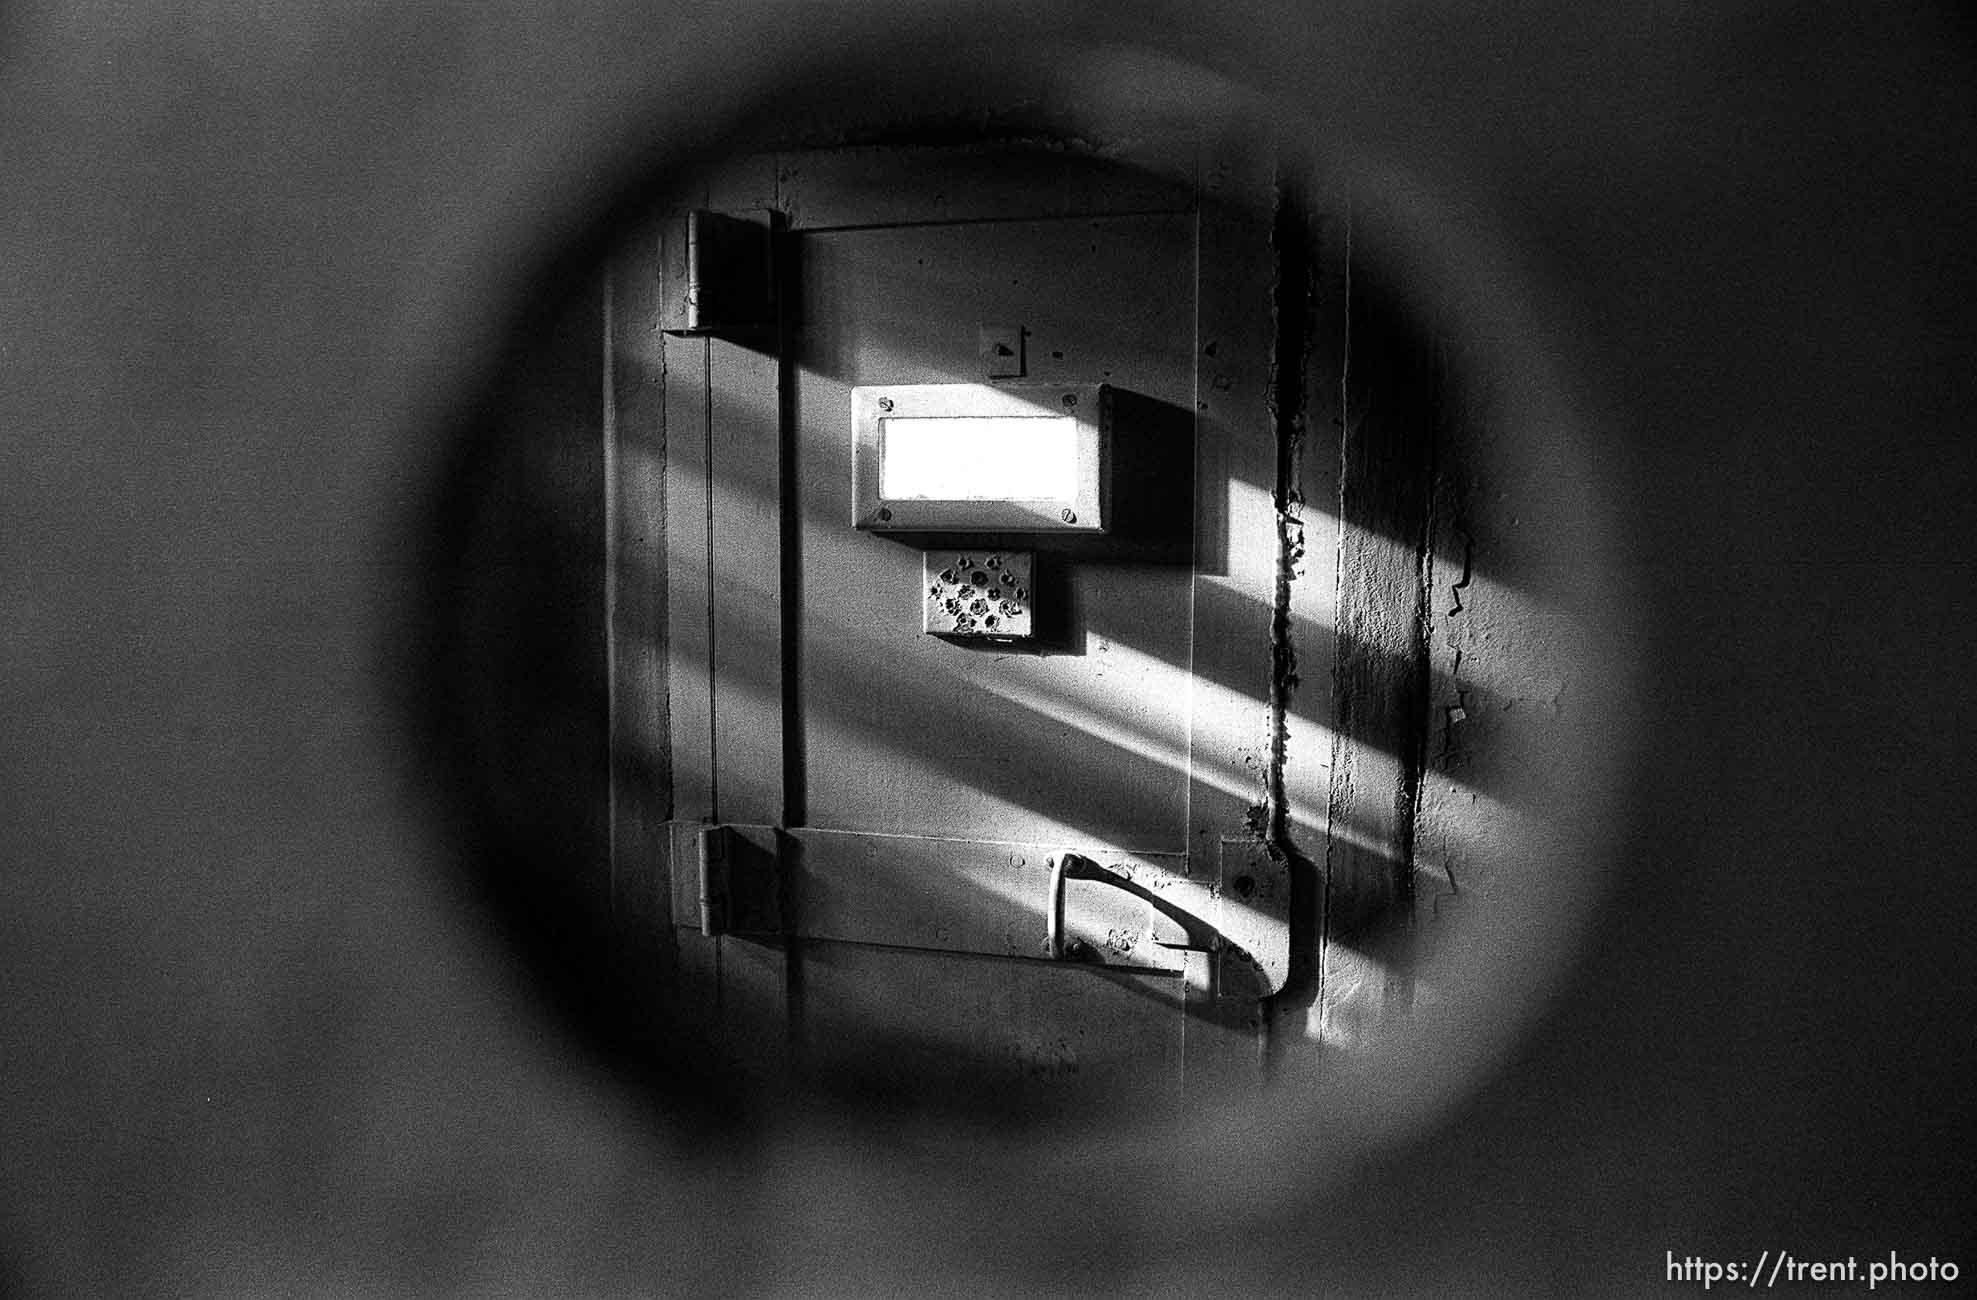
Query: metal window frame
x=1085, y=511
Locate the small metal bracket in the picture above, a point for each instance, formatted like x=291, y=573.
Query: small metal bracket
x=1001, y=349
x=717, y=273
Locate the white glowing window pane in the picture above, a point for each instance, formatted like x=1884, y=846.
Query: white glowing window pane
x=979, y=458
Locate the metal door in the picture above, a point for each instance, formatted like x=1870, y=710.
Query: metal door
x=883, y=819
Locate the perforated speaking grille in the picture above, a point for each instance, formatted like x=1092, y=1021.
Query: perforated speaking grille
x=978, y=593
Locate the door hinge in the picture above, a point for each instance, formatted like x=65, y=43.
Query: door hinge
x=717, y=273
x=738, y=879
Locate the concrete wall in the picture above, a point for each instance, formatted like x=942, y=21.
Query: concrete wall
x=254, y=1032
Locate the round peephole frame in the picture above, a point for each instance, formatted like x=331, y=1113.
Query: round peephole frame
x=1468, y=276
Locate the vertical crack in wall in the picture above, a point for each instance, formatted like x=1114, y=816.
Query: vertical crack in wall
x=1287, y=399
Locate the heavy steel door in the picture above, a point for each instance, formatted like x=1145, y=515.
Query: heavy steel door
x=869, y=822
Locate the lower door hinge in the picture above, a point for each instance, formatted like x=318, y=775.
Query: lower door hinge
x=738, y=875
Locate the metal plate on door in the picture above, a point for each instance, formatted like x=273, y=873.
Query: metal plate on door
x=1142, y=912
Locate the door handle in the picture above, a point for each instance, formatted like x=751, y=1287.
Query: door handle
x=1067, y=865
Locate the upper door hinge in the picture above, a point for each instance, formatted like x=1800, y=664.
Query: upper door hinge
x=717, y=273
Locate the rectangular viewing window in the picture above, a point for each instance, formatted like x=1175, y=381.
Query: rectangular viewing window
x=980, y=457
